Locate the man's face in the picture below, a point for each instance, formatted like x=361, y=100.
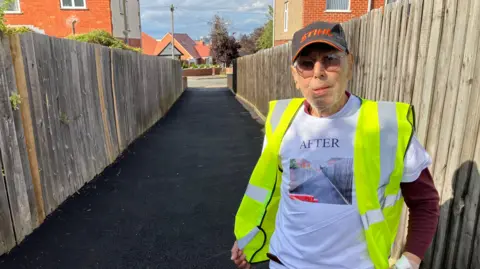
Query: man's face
x=321, y=73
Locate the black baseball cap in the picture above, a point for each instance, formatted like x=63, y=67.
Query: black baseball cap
x=319, y=32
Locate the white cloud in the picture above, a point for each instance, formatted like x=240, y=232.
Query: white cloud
x=192, y=16
x=255, y=6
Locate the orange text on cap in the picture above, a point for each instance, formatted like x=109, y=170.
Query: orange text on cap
x=316, y=32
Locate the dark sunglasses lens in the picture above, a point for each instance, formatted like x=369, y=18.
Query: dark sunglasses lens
x=331, y=61
x=306, y=65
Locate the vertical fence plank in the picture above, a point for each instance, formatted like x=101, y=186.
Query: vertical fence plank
x=427, y=90
x=425, y=31
x=412, y=53
x=7, y=235
x=73, y=120
x=105, y=101
x=32, y=181
x=362, y=58
x=473, y=221
x=396, y=49
x=38, y=105
x=9, y=203
x=11, y=139
x=384, y=47
x=441, y=78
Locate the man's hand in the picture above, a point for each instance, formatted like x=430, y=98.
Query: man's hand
x=413, y=259
x=408, y=260
x=239, y=258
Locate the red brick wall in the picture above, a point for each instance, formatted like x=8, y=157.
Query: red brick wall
x=315, y=10
x=280, y=42
x=378, y=4
x=201, y=72
x=137, y=43
x=48, y=16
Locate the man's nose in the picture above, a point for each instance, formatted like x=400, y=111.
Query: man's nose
x=319, y=69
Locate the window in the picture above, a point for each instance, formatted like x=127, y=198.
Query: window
x=338, y=5
x=12, y=8
x=74, y=4
x=389, y=1
x=285, y=18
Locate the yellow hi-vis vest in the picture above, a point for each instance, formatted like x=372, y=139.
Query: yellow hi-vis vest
x=382, y=128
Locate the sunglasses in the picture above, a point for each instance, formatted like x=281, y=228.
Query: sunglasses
x=332, y=62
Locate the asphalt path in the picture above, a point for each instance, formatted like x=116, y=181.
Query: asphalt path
x=168, y=202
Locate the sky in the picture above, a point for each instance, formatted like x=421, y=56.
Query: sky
x=192, y=16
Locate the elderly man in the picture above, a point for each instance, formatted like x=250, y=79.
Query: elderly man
x=329, y=186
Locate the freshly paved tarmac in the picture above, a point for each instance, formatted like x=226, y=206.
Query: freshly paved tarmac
x=168, y=202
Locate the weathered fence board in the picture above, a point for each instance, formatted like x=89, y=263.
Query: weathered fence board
x=416, y=52
x=11, y=142
x=37, y=105
x=29, y=153
x=7, y=164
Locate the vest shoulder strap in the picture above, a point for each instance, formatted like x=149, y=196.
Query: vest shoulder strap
x=280, y=115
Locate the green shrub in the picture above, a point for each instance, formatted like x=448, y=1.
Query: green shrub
x=103, y=38
x=4, y=27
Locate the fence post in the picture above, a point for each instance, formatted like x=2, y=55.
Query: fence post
x=234, y=76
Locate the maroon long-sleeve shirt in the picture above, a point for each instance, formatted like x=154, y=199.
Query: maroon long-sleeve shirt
x=422, y=200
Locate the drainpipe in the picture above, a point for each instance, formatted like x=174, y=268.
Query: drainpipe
x=369, y=5
x=73, y=26
x=125, y=21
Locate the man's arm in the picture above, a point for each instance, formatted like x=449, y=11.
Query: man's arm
x=422, y=199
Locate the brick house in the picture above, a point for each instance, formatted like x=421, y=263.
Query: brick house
x=291, y=15
x=61, y=18
x=185, y=48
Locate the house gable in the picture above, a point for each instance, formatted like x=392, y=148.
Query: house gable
x=183, y=43
x=167, y=51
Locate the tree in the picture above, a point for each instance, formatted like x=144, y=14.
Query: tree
x=224, y=46
x=248, y=43
x=266, y=39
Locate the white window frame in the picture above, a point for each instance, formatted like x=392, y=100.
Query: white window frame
x=285, y=16
x=73, y=5
x=19, y=11
x=340, y=10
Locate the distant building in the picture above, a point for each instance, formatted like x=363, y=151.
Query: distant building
x=185, y=48
x=292, y=15
x=61, y=18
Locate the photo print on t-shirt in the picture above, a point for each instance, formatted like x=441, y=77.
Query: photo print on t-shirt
x=327, y=182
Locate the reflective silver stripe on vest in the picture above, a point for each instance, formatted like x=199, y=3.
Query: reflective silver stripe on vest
x=256, y=193
x=372, y=217
x=391, y=200
x=242, y=243
x=387, y=117
x=277, y=113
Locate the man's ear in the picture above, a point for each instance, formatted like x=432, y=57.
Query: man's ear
x=294, y=76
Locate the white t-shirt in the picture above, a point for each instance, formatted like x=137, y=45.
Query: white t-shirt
x=318, y=225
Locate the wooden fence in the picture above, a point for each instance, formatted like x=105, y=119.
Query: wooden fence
x=81, y=106
x=423, y=52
